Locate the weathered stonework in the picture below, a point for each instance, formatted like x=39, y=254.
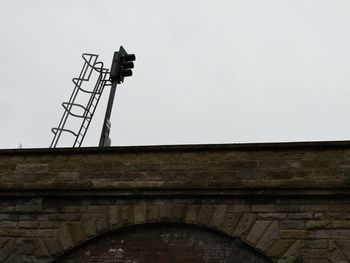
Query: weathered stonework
x=287, y=202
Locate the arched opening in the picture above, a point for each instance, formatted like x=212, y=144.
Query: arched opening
x=163, y=243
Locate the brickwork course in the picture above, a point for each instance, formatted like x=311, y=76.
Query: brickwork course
x=280, y=202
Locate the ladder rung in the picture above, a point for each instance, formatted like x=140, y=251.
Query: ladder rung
x=67, y=104
x=55, y=130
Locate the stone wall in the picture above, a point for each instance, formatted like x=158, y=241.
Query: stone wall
x=286, y=202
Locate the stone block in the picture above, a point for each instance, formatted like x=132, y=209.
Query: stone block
x=3, y=241
x=165, y=211
x=280, y=247
x=244, y=225
x=114, y=216
x=257, y=230
x=339, y=207
x=316, y=243
x=40, y=249
x=277, y=164
x=32, y=168
x=333, y=234
x=97, y=209
x=88, y=222
x=343, y=246
x=315, y=253
x=192, y=212
x=218, y=215
x=64, y=237
x=178, y=212
x=64, y=216
x=305, y=215
x=127, y=214
x=265, y=208
x=238, y=207
x=48, y=224
x=53, y=246
x=101, y=222
x=152, y=213
x=140, y=213
x=32, y=173
x=23, y=259
x=7, y=250
x=269, y=237
x=297, y=234
x=335, y=255
x=233, y=165
x=63, y=167
x=293, y=254
x=231, y=220
x=40, y=233
x=8, y=224
x=328, y=224
x=312, y=260
x=34, y=205
x=197, y=179
x=314, y=207
x=12, y=232
x=25, y=246
x=335, y=216
x=68, y=176
x=288, y=208
x=319, y=216
x=70, y=209
x=6, y=208
x=43, y=260
x=205, y=214
x=292, y=224
x=271, y=216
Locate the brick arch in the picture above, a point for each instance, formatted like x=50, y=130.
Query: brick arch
x=181, y=242
x=231, y=219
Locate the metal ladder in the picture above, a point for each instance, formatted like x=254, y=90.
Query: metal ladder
x=90, y=65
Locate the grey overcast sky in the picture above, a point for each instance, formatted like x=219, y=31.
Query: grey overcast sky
x=206, y=71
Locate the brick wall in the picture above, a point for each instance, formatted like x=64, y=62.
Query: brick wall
x=286, y=202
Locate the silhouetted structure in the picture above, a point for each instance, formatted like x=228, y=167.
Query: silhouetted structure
x=121, y=67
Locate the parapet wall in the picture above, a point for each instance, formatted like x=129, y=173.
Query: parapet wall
x=288, y=202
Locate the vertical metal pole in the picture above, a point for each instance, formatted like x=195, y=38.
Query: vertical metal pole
x=104, y=139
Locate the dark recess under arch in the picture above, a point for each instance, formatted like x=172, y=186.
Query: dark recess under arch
x=163, y=243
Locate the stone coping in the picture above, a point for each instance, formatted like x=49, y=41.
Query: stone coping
x=258, y=169
x=319, y=145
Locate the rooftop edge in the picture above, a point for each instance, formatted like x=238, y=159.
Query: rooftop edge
x=310, y=145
